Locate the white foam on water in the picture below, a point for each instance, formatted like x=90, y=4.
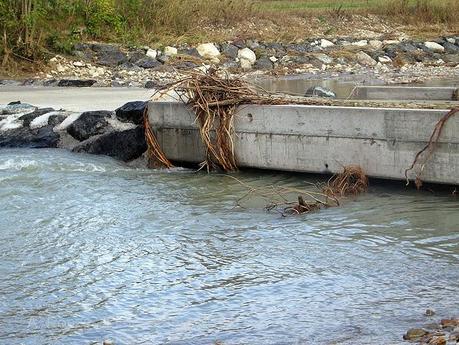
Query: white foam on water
x=120, y=126
x=42, y=120
x=67, y=122
x=11, y=122
x=14, y=164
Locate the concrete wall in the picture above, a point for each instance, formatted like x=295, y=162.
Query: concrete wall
x=405, y=93
x=319, y=139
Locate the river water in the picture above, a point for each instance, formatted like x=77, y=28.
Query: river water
x=93, y=249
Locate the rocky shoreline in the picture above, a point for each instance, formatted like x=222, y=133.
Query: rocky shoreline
x=118, y=134
x=444, y=332
x=398, y=60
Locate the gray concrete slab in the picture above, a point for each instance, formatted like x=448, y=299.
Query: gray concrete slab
x=317, y=139
x=73, y=99
x=405, y=93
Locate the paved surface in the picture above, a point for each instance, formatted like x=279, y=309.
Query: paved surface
x=73, y=99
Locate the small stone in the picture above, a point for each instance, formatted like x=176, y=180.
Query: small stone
x=273, y=59
x=230, y=50
x=108, y=342
x=365, y=59
x=326, y=43
x=437, y=341
x=435, y=47
x=384, y=59
x=451, y=40
x=324, y=58
x=170, y=51
x=151, y=53
x=361, y=43
x=245, y=64
x=248, y=55
x=429, y=312
x=414, y=333
x=390, y=42
x=376, y=44
x=264, y=63
x=208, y=51
x=78, y=64
x=76, y=83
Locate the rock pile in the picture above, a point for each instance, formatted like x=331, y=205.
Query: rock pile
x=118, y=134
x=113, y=65
x=443, y=333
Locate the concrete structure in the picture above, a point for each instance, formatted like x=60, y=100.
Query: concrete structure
x=318, y=139
x=74, y=99
x=405, y=93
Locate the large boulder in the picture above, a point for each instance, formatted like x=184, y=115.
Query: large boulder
x=123, y=145
x=131, y=112
x=248, y=55
x=264, y=63
x=17, y=108
x=112, y=58
x=208, y=51
x=89, y=124
x=434, y=46
x=148, y=63
x=230, y=51
x=365, y=59
x=76, y=82
x=28, y=118
x=24, y=137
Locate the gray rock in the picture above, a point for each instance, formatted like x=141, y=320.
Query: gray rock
x=163, y=58
x=230, y=51
x=319, y=91
x=24, y=137
x=89, y=123
x=191, y=52
x=76, y=82
x=131, y=112
x=104, y=47
x=184, y=65
x=28, y=118
x=123, y=145
x=148, y=63
x=151, y=84
x=16, y=108
x=136, y=56
x=112, y=58
x=451, y=48
x=324, y=58
x=407, y=47
x=55, y=120
x=264, y=63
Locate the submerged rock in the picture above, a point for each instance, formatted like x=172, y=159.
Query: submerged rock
x=319, y=91
x=89, y=124
x=414, y=334
x=23, y=137
x=124, y=145
x=131, y=112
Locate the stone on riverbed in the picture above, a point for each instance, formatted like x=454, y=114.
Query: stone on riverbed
x=123, y=145
x=17, y=108
x=434, y=46
x=89, y=123
x=25, y=137
x=414, y=334
x=131, y=112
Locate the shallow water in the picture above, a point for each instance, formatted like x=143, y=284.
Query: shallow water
x=343, y=86
x=92, y=249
